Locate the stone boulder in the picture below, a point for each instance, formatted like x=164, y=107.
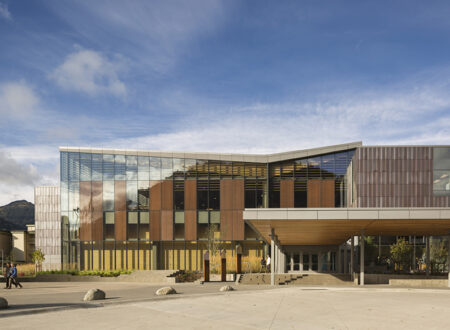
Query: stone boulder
x=3, y=303
x=94, y=294
x=226, y=288
x=165, y=291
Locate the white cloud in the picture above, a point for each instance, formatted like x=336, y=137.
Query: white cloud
x=161, y=30
x=17, y=100
x=22, y=168
x=90, y=72
x=4, y=12
x=383, y=117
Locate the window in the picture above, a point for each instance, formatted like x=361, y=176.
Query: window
x=178, y=195
x=109, y=225
x=441, y=171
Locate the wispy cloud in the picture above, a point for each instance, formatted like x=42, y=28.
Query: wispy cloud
x=17, y=100
x=409, y=115
x=4, y=12
x=152, y=33
x=90, y=72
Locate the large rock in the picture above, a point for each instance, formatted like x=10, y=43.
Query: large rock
x=165, y=291
x=3, y=303
x=94, y=294
x=226, y=288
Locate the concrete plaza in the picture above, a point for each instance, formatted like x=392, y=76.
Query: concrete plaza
x=133, y=305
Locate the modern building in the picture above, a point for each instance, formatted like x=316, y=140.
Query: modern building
x=47, y=221
x=162, y=210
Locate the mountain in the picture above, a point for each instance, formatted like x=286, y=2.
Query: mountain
x=16, y=215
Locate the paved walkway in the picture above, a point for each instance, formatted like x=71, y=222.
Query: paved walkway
x=252, y=307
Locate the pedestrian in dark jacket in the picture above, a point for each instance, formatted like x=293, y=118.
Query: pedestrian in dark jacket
x=14, y=280
x=7, y=274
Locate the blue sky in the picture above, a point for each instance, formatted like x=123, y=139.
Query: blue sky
x=222, y=76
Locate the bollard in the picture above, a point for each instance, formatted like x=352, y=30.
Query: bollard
x=206, y=267
x=223, y=270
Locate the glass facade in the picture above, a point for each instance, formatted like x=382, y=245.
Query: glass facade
x=441, y=171
x=123, y=211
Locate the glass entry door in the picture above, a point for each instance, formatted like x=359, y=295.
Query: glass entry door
x=314, y=262
x=305, y=262
x=296, y=259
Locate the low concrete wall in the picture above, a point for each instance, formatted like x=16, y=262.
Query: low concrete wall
x=423, y=283
x=385, y=278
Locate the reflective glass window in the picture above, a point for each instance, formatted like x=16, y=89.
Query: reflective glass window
x=74, y=195
x=226, y=169
x=143, y=195
x=143, y=168
x=64, y=168
x=132, y=167
x=85, y=166
x=287, y=169
x=314, y=168
x=190, y=166
x=97, y=160
x=74, y=166
x=119, y=167
x=202, y=169
x=108, y=167
x=301, y=169
x=178, y=168
x=238, y=170
x=155, y=168
x=108, y=195
x=64, y=196
x=327, y=166
x=250, y=193
x=300, y=193
x=441, y=171
x=214, y=169
x=166, y=168
x=132, y=195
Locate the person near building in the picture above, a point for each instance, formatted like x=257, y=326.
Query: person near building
x=7, y=274
x=263, y=265
x=268, y=263
x=14, y=279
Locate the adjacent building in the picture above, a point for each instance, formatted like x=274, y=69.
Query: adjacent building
x=130, y=209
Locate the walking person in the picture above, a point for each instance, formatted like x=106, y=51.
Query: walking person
x=268, y=263
x=7, y=274
x=263, y=265
x=14, y=279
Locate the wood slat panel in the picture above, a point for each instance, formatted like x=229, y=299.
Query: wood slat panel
x=85, y=210
x=286, y=193
x=120, y=225
x=190, y=225
x=226, y=194
x=155, y=225
x=238, y=194
x=97, y=226
x=166, y=225
x=167, y=195
x=155, y=195
x=327, y=193
x=120, y=199
x=238, y=225
x=190, y=194
x=313, y=193
x=226, y=225
x=97, y=196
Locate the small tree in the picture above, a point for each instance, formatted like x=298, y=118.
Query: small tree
x=401, y=254
x=439, y=255
x=215, y=245
x=38, y=258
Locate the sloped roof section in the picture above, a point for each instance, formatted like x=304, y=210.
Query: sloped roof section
x=267, y=158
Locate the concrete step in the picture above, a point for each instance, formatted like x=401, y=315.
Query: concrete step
x=323, y=279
